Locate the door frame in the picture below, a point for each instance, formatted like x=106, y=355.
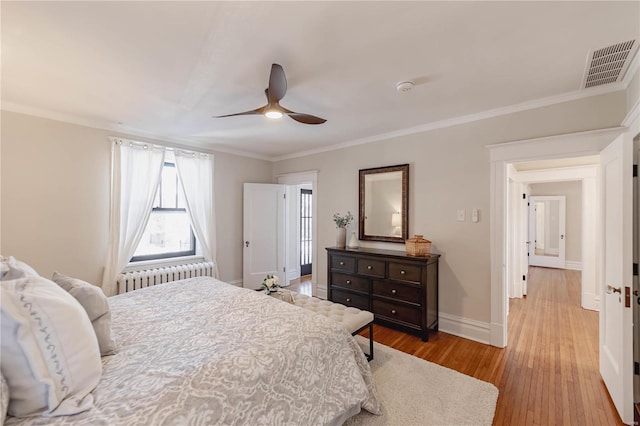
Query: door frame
x=501, y=156
x=587, y=175
x=550, y=262
x=298, y=179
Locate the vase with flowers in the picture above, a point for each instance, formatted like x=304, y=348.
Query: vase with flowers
x=341, y=225
x=271, y=284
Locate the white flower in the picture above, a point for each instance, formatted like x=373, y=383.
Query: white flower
x=270, y=283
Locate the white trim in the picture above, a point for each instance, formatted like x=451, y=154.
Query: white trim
x=576, y=144
x=297, y=179
x=573, y=265
x=465, y=327
x=450, y=122
x=632, y=115
x=162, y=263
x=591, y=301
x=182, y=143
x=501, y=155
x=321, y=293
x=464, y=119
x=556, y=175
x=237, y=283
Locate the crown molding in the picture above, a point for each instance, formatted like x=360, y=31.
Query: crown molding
x=441, y=124
x=456, y=121
x=122, y=130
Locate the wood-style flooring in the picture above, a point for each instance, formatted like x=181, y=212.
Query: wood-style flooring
x=548, y=373
x=302, y=285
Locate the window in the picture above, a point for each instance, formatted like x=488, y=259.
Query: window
x=168, y=233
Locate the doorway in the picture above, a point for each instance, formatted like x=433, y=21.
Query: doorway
x=301, y=250
x=547, y=223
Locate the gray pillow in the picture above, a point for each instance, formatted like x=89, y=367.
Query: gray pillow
x=96, y=304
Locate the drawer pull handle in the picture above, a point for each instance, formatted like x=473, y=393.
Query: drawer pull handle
x=403, y=272
x=369, y=267
x=348, y=281
x=348, y=299
x=393, y=311
x=393, y=291
x=341, y=263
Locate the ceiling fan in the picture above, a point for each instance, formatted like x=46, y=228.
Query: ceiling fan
x=275, y=92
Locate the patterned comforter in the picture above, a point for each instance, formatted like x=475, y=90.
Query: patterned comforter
x=203, y=352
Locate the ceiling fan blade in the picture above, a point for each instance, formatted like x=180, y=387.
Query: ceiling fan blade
x=306, y=118
x=252, y=112
x=277, y=84
x=302, y=118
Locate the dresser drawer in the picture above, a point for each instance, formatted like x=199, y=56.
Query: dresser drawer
x=350, y=299
x=371, y=267
x=398, y=291
x=350, y=282
x=396, y=312
x=343, y=263
x=404, y=272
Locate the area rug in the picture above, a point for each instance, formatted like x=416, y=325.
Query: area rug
x=417, y=392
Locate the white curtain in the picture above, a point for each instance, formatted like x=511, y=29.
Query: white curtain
x=135, y=174
x=195, y=171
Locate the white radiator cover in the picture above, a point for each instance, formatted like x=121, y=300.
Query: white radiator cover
x=134, y=280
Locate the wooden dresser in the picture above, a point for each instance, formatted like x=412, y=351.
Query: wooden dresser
x=400, y=290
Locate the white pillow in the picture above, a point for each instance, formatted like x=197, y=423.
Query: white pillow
x=4, y=399
x=50, y=356
x=96, y=304
x=13, y=263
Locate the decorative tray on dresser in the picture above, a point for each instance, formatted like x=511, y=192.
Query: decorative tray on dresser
x=400, y=290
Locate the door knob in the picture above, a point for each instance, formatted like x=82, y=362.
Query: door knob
x=611, y=289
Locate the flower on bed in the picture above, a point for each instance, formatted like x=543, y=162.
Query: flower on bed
x=271, y=284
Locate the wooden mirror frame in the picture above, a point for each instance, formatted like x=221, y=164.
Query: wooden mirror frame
x=404, y=168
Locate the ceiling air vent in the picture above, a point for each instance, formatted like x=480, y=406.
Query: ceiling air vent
x=608, y=65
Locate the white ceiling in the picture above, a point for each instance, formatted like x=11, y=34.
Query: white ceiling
x=164, y=69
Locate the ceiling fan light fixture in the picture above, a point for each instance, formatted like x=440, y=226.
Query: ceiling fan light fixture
x=273, y=113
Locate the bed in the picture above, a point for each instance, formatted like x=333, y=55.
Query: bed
x=203, y=352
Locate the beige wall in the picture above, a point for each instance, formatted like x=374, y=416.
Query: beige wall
x=573, y=229
x=55, y=197
x=449, y=170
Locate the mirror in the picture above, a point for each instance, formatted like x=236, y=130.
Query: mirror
x=547, y=222
x=384, y=202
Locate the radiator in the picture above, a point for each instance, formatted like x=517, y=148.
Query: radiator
x=134, y=280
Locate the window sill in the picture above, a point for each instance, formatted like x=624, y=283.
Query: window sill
x=160, y=263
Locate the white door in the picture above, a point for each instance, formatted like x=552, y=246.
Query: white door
x=616, y=318
x=547, y=237
x=264, y=233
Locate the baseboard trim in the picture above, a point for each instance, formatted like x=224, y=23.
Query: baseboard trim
x=573, y=265
x=464, y=327
x=321, y=292
x=237, y=283
x=591, y=301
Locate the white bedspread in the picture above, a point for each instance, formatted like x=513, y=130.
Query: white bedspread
x=202, y=352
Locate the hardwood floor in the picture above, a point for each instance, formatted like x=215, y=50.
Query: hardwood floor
x=302, y=285
x=548, y=373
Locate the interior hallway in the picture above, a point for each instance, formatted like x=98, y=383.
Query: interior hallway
x=548, y=373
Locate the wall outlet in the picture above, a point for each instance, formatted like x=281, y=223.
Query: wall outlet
x=461, y=216
x=475, y=216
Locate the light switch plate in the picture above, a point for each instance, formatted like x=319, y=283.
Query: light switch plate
x=461, y=216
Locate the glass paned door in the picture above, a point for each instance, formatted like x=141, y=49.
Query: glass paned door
x=305, y=231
